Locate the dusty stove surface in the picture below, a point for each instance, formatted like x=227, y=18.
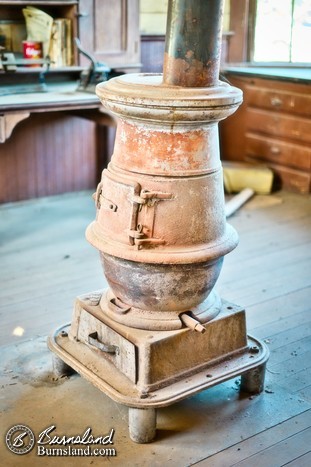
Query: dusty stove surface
x=161, y=333
x=142, y=368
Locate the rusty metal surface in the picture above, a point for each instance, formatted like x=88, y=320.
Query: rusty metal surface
x=160, y=287
x=159, y=320
x=110, y=381
x=160, y=225
x=166, y=151
x=193, y=43
x=168, y=371
x=144, y=97
x=181, y=221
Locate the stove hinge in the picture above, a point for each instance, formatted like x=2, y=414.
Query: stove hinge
x=137, y=233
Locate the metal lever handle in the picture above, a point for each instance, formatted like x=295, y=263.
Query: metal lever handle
x=93, y=340
x=119, y=307
x=192, y=323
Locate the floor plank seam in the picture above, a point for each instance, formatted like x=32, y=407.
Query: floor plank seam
x=297, y=458
x=271, y=446
x=250, y=438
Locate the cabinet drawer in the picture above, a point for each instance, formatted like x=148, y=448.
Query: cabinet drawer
x=291, y=102
x=274, y=124
x=98, y=337
x=277, y=151
x=291, y=179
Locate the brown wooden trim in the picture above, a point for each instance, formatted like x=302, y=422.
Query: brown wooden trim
x=239, y=16
x=251, y=29
x=152, y=37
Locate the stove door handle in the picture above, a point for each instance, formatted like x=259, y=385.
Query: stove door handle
x=95, y=342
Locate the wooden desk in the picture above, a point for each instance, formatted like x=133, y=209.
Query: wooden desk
x=52, y=142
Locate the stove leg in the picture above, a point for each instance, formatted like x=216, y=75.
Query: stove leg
x=253, y=380
x=60, y=368
x=142, y=424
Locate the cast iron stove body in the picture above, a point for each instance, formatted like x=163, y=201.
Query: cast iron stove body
x=161, y=333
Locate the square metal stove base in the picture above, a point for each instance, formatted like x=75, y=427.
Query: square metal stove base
x=146, y=370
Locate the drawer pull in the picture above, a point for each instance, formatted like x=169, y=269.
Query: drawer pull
x=93, y=340
x=275, y=150
x=276, y=101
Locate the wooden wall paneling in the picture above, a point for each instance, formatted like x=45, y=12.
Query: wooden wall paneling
x=152, y=53
x=48, y=154
x=105, y=143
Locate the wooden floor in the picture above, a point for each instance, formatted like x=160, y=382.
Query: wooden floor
x=46, y=262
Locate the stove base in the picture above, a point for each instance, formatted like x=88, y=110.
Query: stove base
x=127, y=366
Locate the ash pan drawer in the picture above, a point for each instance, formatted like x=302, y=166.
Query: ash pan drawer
x=290, y=102
x=280, y=152
x=108, y=344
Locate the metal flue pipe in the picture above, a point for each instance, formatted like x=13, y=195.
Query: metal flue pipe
x=193, y=43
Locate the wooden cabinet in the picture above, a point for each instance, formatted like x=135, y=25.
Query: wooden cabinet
x=109, y=30
x=11, y=14
x=273, y=126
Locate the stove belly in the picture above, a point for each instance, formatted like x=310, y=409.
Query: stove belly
x=158, y=287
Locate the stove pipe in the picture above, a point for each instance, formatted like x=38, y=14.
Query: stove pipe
x=160, y=225
x=193, y=43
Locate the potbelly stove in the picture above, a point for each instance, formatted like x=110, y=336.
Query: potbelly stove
x=160, y=333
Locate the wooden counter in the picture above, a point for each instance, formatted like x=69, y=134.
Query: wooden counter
x=52, y=142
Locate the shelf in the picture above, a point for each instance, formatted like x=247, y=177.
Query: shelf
x=39, y=2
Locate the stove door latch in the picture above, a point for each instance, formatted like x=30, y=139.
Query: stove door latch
x=147, y=198
x=95, y=342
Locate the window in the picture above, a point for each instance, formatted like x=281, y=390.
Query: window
x=282, y=31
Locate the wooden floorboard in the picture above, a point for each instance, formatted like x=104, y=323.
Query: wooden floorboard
x=246, y=450
x=279, y=314
x=46, y=262
x=305, y=393
x=291, y=335
x=301, y=461
x=280, y=453
x=285, y=352
x=272, y=284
